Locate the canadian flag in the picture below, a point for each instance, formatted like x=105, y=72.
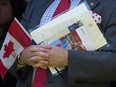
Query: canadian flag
x=16, y=40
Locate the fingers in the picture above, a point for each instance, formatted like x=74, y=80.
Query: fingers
x=41, y=54
x=46, y=46
x=39, y=62
x=37, y=59
x=43, y=48
x=42, y=64
x=36, y=55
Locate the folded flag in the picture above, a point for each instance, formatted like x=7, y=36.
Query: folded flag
x=16, y=40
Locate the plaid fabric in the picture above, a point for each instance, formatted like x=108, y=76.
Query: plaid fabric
x=49, y=12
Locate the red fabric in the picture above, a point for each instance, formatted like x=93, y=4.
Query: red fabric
x=63, y=5
x=3, y=69
x=40, y=78
x=23, y=38
x=15, y=41
x=40, y=74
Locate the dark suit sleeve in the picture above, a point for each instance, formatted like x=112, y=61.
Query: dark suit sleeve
x=19, y=72
x=95, y=66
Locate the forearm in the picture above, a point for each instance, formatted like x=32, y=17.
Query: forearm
x=91, y=66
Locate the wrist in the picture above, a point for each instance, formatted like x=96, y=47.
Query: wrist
x=19, y=60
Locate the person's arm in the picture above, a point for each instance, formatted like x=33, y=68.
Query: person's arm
x=58, y=56
x=20, y=69
x=30, y=56
x=95, y=66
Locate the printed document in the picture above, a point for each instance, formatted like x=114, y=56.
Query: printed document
x=75, y=29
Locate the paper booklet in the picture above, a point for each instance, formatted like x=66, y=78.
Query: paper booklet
x=75, y=29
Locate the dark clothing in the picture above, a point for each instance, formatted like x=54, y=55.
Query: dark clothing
x=86, y=68
x=9, y=81
x=96, y=69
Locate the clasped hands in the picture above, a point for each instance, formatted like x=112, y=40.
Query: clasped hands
x=44, y=56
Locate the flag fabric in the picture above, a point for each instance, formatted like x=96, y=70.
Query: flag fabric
x=97, y=18
x=16, y=40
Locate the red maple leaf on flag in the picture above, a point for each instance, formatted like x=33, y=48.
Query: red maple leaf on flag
x=8, y=49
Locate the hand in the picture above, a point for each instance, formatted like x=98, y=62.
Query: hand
x=57, y=56
x=35, y=55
